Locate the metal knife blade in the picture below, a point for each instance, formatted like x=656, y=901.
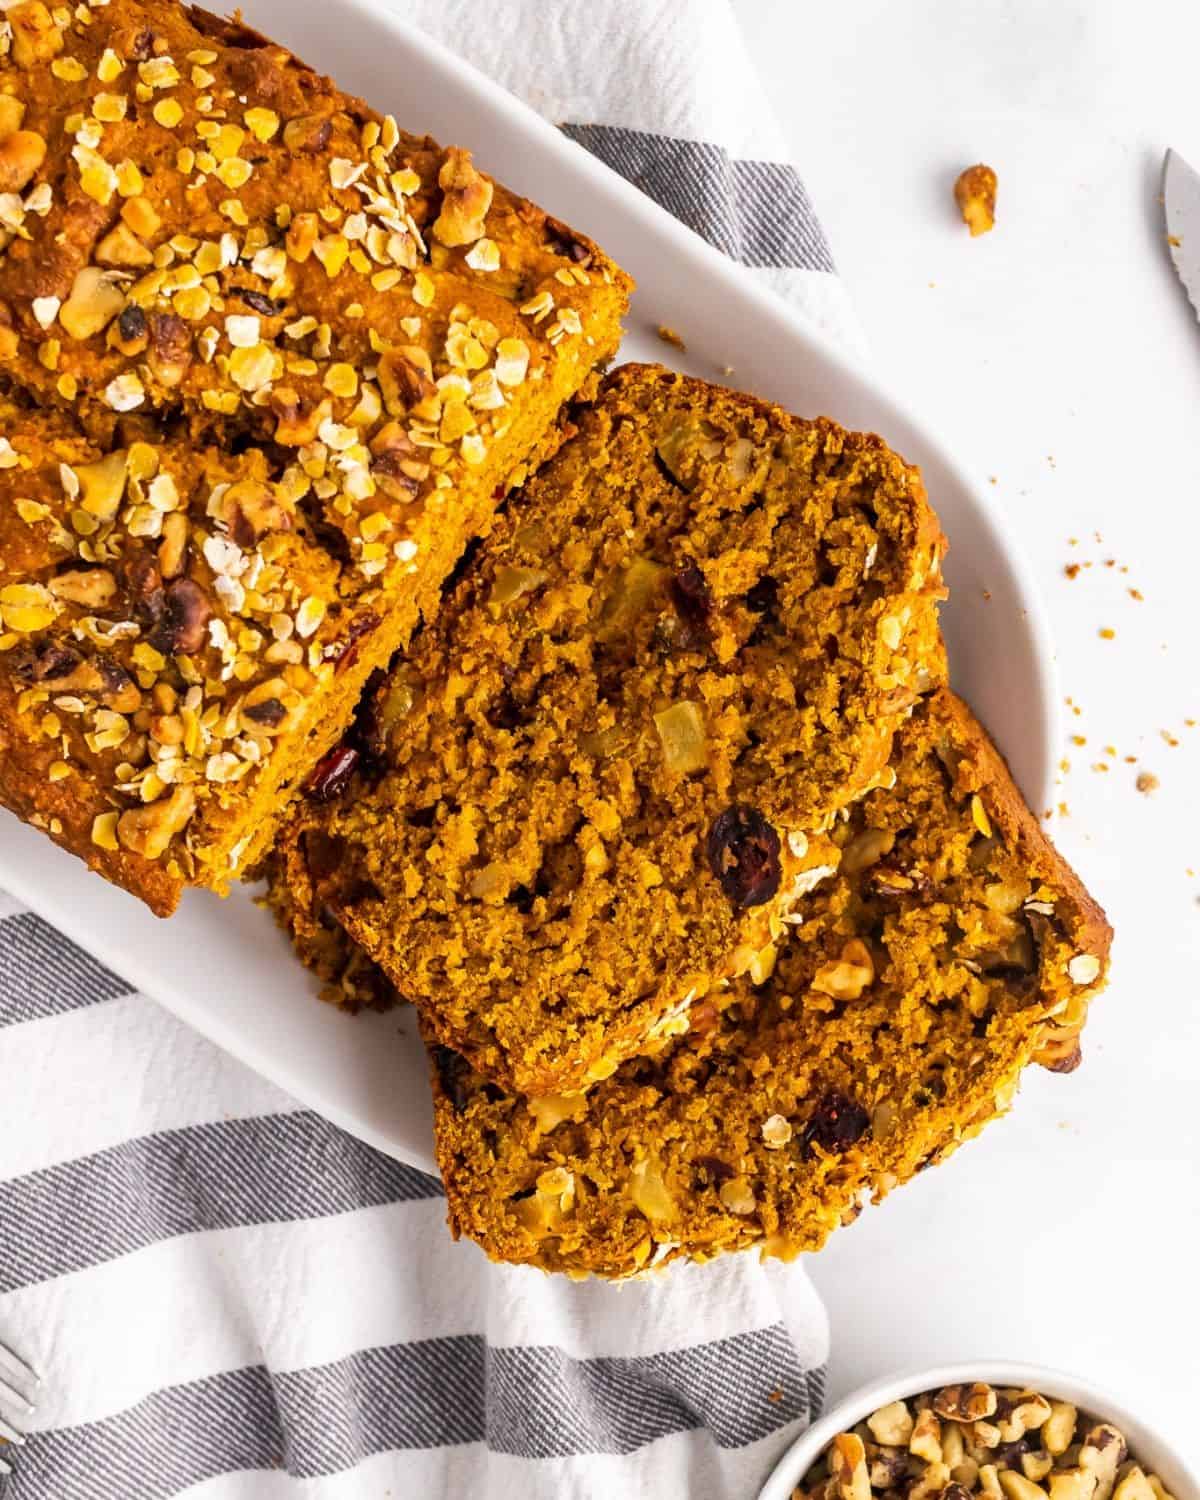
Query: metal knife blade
x=1181, y=209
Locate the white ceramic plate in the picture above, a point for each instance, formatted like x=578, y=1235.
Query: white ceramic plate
x=221, y=965
x=1146, y=1443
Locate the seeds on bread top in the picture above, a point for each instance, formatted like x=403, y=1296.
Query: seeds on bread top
x=207, y=248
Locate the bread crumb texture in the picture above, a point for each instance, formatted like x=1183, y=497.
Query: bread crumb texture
x=606, y=778
x=952, y=948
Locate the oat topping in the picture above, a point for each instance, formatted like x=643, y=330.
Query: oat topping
x=361, y=327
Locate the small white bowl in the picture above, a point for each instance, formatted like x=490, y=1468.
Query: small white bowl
x=1146, y=1444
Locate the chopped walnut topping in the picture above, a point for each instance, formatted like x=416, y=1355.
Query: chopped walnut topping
x=96, y=299
x=149, y=830
x=195, y=613
x=975, y=194
x=467, y=196
x=35, y=34
x=849, y=976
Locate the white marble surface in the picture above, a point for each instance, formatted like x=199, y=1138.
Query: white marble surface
x=1061, y=355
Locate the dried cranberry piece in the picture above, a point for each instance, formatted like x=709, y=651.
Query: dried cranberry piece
x=743, y=853
x=131, y=324
x=562, y=242
x=453, y=1073
x=692, y=596
x=259, y=301
x=344, y=652
x=332, y=773
x=836, y=1123
x=270, y=713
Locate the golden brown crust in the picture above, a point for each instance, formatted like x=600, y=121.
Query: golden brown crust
x=206, y=248
x=605, y=773
x=897, y=1022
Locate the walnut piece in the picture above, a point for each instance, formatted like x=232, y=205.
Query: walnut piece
x=979, y=1442
x=466, y=198
x=975, y=194
x=95, y=301
x=148, y=830
x=405, y=378
x=35, y=37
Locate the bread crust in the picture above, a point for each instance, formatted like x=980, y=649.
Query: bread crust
x=213, y=250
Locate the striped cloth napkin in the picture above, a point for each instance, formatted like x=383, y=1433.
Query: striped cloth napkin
x=229, y=1298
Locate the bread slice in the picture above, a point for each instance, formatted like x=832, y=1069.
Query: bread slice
x=953, y=947
x=610, y=767
x=207, y=245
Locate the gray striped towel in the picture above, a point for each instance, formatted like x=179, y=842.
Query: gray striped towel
x=230, y=1298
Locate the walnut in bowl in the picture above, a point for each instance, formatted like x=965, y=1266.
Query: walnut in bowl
x=998, y=1432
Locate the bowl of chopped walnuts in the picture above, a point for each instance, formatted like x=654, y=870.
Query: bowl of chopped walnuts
x=988, y=1431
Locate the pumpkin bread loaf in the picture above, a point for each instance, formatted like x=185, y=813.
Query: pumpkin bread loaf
x=609, y=769
x=205, y=246
x=953, y=947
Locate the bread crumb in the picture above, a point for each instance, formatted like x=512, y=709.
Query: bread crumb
x=1136, y=594
x=975, y=194
x=1107, y=635
x=669, y=336
x=1072, y=570
x=1147, y=782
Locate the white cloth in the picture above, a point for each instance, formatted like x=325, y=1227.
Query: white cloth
x=678, y=69
x=229, y=1298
